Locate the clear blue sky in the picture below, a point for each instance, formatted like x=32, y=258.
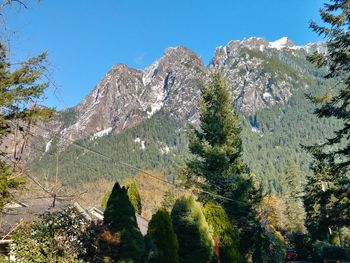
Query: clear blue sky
x=85, y=38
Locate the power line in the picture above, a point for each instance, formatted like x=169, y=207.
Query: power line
x=143, y=171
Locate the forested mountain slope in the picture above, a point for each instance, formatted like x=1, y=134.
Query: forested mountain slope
x=140, y=117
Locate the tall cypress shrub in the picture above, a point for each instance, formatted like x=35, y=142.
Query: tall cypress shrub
x=192, y=231
x=160, y=229
x=223, y=229
x=120, y=220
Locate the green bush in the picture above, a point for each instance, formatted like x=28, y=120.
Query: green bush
x=192, y=231
x=160, y=229
x=134, y=197
x=223, y=228
x=324, y=250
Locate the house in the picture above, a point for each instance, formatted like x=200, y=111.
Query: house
x=30, y=210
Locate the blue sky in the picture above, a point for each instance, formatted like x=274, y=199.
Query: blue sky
x=85, y=38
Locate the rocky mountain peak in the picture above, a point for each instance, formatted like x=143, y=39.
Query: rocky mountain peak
x=126, y=96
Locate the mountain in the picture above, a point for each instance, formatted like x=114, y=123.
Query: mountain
x=141, y=116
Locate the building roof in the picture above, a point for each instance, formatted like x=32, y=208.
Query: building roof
x=30, y=210
x=25, y=211
x=97, y=215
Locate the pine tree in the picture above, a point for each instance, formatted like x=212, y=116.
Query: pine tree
x=21, y=88
x=119, y=218
x=192, y=231
x=293, y=188
x=217, y=165
x=316, y=201
x=134, y=197
x=160, y=229
x=224, y=230
x=335, y=151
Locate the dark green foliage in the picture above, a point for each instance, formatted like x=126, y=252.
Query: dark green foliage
x=160, y=229
x=270, y=247
x=333, y=205
x=282, y=132
x=134, y=197
x=323, y=250
x=292, y=194
x=152, y=254
x=317, y=207
x=223, y=228
x=302, y=244
x=192, y=231
x=120, y=220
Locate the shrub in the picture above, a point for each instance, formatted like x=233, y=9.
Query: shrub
x=120, y=220
x=134, y=197
x=192, y=231
x=160, y=229
x=55, y=238
x=223, y=228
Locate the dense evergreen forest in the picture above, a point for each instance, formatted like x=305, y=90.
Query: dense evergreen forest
x=271, y=138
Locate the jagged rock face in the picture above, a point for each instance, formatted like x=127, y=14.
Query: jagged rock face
x=252, y=86
x=174, y=80
x=112, y=104
x=127, y=96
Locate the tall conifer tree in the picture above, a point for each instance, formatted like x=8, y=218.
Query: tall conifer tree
x=217, y=165
x=334, y=153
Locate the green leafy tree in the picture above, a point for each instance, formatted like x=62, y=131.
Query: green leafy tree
x=192, y=231
x=334, y=104
x=160, y=229
x=224, y=230
x=217, y=165
x=120, y=221
x=134, y=197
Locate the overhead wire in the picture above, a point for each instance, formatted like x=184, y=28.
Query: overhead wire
x=144, y=171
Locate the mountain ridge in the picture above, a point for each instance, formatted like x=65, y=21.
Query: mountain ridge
x=125, y=96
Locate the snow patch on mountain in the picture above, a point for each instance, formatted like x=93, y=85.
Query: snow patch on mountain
x=164, y=149
x=101, y=133
x=280, y=43
x=141, y=142
x=48, y=146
